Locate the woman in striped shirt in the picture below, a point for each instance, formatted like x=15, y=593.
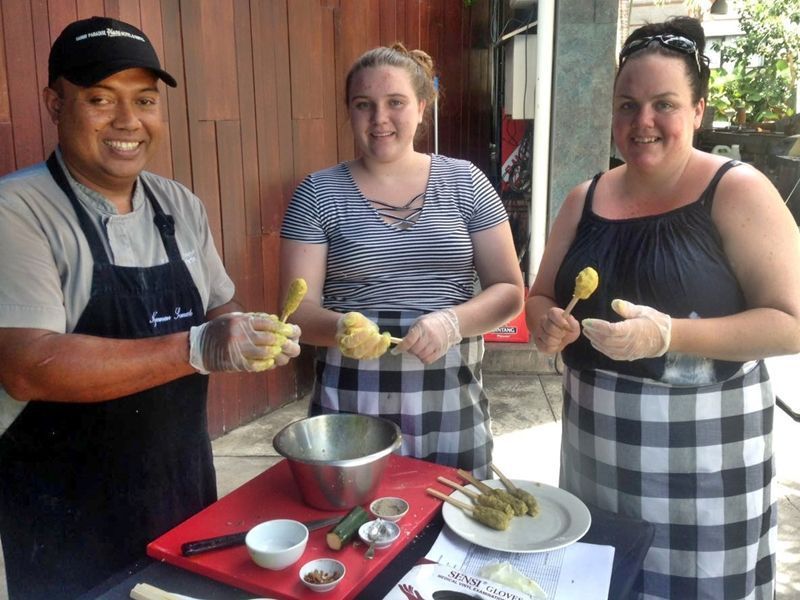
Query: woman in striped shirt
x=390, y=245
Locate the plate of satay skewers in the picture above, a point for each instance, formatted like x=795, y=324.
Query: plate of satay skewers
x=512, y=515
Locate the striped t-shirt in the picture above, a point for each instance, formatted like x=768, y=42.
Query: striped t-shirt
x=373, y=265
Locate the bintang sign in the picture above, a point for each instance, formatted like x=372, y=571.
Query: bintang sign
x=514, y=331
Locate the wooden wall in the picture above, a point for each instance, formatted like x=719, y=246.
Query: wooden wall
x=259, y=104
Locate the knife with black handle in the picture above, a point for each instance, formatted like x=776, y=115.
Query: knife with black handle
x=237, y=539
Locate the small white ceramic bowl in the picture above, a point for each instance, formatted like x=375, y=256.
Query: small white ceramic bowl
x=389, y=508
x=325, y=566
x=390, y=534
x=276, y=544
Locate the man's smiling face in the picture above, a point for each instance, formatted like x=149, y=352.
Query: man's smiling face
x=108, y=132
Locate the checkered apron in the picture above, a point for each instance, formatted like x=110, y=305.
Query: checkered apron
x=441, y=408
x=696, y=462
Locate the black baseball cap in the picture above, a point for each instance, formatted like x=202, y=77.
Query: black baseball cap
x=89, y=50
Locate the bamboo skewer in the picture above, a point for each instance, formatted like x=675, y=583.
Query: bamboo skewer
x=506, y=481
x=519, y=505
x=460, y=488
x=570, y=306
x=462, y=505
x=478, y=484
x=145, y=591
x=491, y=517
x=529, y=499
x=395, y=340
x=585, y=285
x=487, y=500
x=297, y=290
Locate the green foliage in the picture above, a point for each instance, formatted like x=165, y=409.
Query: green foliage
x=764, y=92
x=759, y=70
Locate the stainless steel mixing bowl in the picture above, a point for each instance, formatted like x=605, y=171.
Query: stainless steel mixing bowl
x=337, y=460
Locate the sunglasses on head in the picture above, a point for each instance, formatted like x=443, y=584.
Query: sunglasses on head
x=678, y=43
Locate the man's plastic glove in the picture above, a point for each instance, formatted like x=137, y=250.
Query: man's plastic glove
x=242, y=342
x=431, y=335
x=358, y=337
x=645, y=332
x=285, y=340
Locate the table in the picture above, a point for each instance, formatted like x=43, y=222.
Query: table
x=631, y=539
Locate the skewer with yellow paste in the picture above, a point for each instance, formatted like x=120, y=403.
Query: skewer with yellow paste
x=585, y=285
x=297, y=290
x=487, y=500
x=519, y=506
x=496, y=519
x=524, y=495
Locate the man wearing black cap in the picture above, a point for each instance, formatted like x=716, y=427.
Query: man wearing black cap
x=114, y=304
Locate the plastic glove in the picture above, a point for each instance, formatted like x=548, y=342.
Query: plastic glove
x=555, y=331
x=242, y=342
x=358, y=337
x=645, y=332
x=431, y=335
x=285, y=344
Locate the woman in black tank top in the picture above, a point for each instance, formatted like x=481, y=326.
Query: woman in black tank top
x=667, y=404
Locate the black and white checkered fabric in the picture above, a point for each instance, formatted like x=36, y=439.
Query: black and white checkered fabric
x=441, y=408
x=697, y=462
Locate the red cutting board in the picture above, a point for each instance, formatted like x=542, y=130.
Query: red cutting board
x=272, y=495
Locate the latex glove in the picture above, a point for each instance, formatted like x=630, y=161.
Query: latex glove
x=645, y=332
x=555, y=331
x=431, y=335
x=358, y=337
x=242, y=342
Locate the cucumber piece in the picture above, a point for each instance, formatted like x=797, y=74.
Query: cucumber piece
x=346, y=528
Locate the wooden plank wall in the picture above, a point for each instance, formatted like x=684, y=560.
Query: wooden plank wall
x=259, y=104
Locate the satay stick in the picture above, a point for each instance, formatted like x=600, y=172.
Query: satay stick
x=295, y=294
x=585, y=285
x=478, y=484
x=506, y=481
x=519, y=506
x=490, y=517
x=529, y=499
x=395, y=340
x=570, y=306
x=460, y=488
x=462, y=505
x=145, y=591
x=488, y=500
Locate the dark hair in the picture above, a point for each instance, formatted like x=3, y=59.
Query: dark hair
x=696, y=66
x=417, y=63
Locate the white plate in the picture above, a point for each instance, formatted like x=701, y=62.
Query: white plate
x=562, y=520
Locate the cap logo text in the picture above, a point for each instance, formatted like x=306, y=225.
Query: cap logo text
x=108, y=32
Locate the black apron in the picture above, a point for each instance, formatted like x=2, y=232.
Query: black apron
x=85, y=487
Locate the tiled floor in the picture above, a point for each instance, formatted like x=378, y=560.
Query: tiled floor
x=526, y=411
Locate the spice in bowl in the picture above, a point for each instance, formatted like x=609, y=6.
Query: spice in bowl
x=389, y=509
x=317, y=576
x=322, y=574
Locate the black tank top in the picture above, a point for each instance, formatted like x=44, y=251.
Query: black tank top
x=673, y=262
